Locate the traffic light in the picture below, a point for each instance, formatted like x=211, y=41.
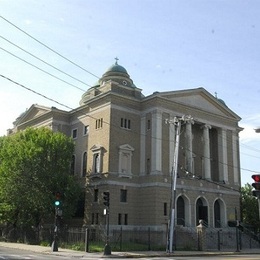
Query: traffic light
x=256, y=185
x=57, y=199
x=106, y=197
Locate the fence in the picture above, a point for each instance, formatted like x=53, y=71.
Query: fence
x=119, y=239
x=124, y=238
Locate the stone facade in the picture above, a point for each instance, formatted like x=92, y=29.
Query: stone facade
x=125, y=145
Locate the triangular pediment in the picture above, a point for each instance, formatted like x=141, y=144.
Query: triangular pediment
x=126, y=147
x=96, y=147
x=200, y=99
x=33, y=112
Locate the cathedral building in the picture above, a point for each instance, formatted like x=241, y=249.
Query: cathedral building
x=125, y=143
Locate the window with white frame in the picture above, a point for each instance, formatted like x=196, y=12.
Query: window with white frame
x=85, y=129
x=97, y=159
x=125, y=160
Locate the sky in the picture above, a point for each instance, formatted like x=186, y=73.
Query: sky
x=165, y=45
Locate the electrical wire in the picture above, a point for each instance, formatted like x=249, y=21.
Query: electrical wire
x=116, y=127
x=44, y=61
x=6, y=20
x=35, y=92
x=52, y=75
x=52, y=50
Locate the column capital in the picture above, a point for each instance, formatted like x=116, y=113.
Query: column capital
x=206, y=126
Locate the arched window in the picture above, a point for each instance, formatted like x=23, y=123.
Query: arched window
x=180, y=211
x=84, y=164
x=202, y=211
x=217, y=219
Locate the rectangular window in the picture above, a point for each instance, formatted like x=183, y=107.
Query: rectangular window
x=165, y=209
x=95, y=195
x=123, y=195
x=74, y=133
x=125, y=123
x=92, y=218
x=126, y=219
x=99, y=123
x=85, y=129
x=119, y=219
x=97, y=216
x=96, y=158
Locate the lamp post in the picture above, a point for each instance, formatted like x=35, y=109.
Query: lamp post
x=177, y=122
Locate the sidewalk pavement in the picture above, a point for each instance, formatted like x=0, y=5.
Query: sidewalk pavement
x=80, y=254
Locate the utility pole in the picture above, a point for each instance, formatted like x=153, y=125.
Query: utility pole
x=177, y=122
x=106, y=197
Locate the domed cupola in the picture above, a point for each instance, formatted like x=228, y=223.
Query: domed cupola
x=114, y=80
x=116, y=68
x=118, y=74
x=220, y=100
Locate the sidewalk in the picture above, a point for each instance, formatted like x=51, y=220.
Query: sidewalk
x=81, y=254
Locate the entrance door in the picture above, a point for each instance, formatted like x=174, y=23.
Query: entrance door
x=180, y=211
x=217, y=214
x=202, y=212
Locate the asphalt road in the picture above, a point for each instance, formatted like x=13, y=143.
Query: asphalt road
x=17, y=254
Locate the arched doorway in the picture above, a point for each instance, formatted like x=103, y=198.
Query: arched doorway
x=180, y=211
x=217, y=215
x=201, y=211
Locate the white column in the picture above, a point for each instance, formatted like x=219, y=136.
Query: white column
x=188, y=147
x=156, y=160
x=172, y=134
x=142, y=145
x=235, y=157
x=222, y=154
x=206, y=152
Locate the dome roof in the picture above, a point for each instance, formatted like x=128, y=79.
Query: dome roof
x=221, y=101
x=116, y=68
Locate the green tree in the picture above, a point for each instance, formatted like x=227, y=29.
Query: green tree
x=34, y=164
x=249, y=207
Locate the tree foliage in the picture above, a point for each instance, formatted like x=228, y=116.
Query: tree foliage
x=34, y=164
x=249, y=207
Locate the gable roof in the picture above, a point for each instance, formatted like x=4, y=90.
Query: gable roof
x=33, y=112
x=200, y=99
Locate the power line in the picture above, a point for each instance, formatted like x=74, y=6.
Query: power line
x=44, y=61
x=35, y=92
x=116, y=126
x=42, y=69
x=57, y=53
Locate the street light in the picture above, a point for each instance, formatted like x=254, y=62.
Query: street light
x=257, y=130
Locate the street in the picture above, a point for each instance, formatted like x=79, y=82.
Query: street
x=17, y=254
x=206, y=257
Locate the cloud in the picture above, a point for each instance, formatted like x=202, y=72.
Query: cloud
x=249, y=134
